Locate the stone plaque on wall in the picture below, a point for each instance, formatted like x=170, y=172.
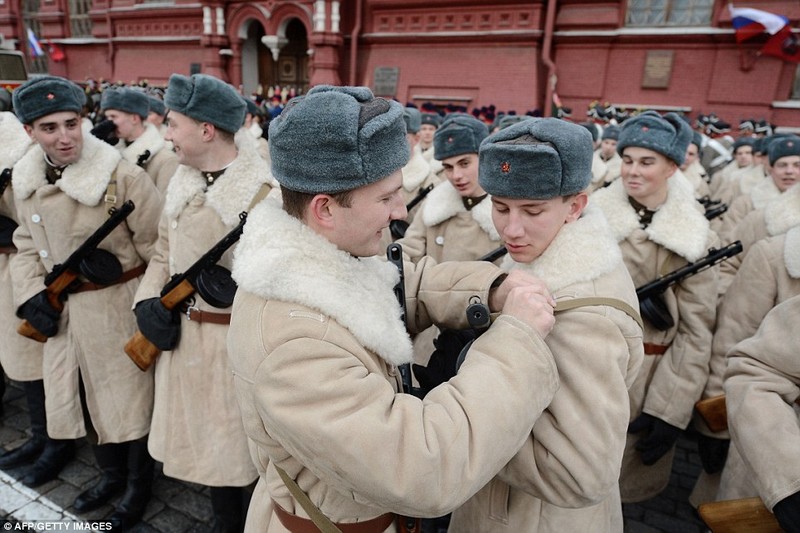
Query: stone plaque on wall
x=657, y=69
x=386, y=81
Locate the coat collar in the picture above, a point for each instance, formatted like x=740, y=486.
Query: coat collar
x=149, y=140
x=415, y=171
x=791, y=252
x=582, y=251
x=231, y=193
x=14, y=140
x=764, y=193
x=678, y=225
x=85, y=181
x=444, y=202
x=307, y=269
x=783, y=212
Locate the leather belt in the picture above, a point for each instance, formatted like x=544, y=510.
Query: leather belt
x=196, y=315
x=6, y=250
x=126, y=276
x=655, y=349
x=297, y=524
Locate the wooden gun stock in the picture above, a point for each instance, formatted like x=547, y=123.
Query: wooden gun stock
x=53, y=292
x=714, y=412
x=748, y=515
x=143, y=352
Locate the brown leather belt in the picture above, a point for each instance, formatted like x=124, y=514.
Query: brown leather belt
x=6, y=250
x=297, y=524
x=196, y=315
x=126, y=276
x=655, y=349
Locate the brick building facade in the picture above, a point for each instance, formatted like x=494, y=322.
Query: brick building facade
x=516, y=55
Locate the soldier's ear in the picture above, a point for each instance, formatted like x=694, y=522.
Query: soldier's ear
x=320, y=211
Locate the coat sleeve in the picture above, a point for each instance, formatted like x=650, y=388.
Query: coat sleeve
x=572, y=457
x=157, y=273
x=762, y=384
x=143, y=222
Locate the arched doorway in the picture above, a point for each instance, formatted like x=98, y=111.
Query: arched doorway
x=286, y=63
x=252, y=52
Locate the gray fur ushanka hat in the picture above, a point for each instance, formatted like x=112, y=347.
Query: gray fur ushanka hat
x=536, y=159
x=45, y=95
x=336, y=139
x=413, y=119
x=207, y=99
x=127, y=100
x=783, y=147
x=156, y=105
x=669, y=135
x=459, y=135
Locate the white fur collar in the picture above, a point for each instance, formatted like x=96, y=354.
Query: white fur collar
x=582, y=251
x=678, y=225
x=764, y=193
x=84, y=181
x=791, y=252
x=444, y=202
x=231, y=193
x=783, y=212
x=14, y=140
x=255, y=130
x=415, y=171
x=305, y=268
x=149, y=140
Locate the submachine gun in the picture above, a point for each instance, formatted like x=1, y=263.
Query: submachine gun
x=399, y=227
x=651, y=302
x=5, y=179
x=394, y=253
x=83, y=261
x=205, y=277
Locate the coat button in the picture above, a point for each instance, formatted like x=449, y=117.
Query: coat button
x=36, y=218
x=174, y=224
x=43, y=254
x=440, y=240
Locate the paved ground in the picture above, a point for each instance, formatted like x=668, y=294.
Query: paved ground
x=179, y=507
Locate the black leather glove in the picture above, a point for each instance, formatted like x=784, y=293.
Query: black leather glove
x=158, y=324
x=659, y=438
x=442, y=364
x=713, y=453
x=787, y=511
x=106, y=131
x=41, y=315
x=7, y=227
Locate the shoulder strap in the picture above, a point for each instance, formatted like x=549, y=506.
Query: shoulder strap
x=566, y=305
x=111, y=191
x=262, y=192
x=320, y=520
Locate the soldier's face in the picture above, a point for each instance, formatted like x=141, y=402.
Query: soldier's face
x=527, y=227
x=608, y=147
x=462, y=173
x=186, y=135
x=127, y=124
x=786, y=172
x=644, y=175
x=59, y=135
x=426, y=132
x=691, y=156
x=744, y=156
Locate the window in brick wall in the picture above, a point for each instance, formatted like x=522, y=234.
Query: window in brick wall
x=79, y=22
x=669, y=12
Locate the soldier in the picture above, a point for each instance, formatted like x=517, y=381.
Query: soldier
x=693, y=170
x=660, y=227
x=417, y=173
x=316, y=343
x=141, y=144
x=429, y=123
x=22, y=357
x=253, y=127
x=156, y=114
x=743, y=161
x=761, y=386
x=197, y=428
x=606, y=162
x=63, y=189
x=566, y=475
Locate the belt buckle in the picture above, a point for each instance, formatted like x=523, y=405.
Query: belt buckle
x=189, y=310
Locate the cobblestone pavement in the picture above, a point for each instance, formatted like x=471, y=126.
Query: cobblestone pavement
x=178, y=507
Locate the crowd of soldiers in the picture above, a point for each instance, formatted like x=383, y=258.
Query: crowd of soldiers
x=394, y=319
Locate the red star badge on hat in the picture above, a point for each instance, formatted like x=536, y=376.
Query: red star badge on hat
x=505, y=167
x=790, y=144
x=449, y=139
x=645, y=128
x=50, y=96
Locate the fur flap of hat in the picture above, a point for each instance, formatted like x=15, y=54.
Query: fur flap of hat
x=207, y=99
x=669, y=135
x=538, y=158
x=45, y=95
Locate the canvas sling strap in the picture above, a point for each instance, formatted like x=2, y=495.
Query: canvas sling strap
x=566, y=305
x=322, y=522
x=262, y=193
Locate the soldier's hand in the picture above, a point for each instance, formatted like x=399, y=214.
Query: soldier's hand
x=516, y=278
x=158, y=324
x=533, y=305
x=40, y=314
x=659, y=437
x=713, y=453
x=787, y=511
x=106, y=131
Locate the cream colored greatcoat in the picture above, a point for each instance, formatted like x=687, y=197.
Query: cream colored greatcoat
x=566, y=476
x=314, y=344
x=698, y=177
x=197, y=428
x=20, y=357
x=417, y=175
x=161, y=162
x=668, y=385
x=762, y=384
x=604, y=172
x=54, y=221
x=758, y=198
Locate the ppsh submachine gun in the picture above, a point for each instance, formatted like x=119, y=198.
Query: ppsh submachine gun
x=394, y=253
x=5, y=179
x=651, y=301
x=98, y=266
x=205, y=277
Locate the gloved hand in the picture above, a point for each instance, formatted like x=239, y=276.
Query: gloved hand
x=41, y=315
x=659, y=438
x=713, y=453
x=158, y=324
x=787, y=511
x=442, y=364
x=106, y=131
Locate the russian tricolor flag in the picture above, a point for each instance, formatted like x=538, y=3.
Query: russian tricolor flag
x=34, y=47
x=748, y=22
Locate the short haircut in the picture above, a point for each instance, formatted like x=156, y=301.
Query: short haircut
x=295, y=203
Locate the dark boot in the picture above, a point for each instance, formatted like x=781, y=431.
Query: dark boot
x=33, y=447
x=131, y=508
x=56, y=455
x=111, y=458
x=227, y=505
